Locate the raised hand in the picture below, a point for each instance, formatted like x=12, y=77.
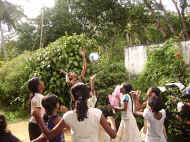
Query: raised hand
x=83, y=52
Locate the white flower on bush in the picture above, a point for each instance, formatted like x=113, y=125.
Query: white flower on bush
x=179, y=106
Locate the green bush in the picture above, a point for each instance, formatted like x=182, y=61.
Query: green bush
x=164, y=64
x=61, y=54
x=108, y=76
x=13, y=76
x=45, y=63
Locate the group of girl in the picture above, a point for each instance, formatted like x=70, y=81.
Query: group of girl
x=91, y=124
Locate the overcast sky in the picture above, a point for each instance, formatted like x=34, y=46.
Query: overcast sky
x=32, y=8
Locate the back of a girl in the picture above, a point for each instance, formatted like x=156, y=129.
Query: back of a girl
x=155, y=117
x=103, y=136
x=83, y=121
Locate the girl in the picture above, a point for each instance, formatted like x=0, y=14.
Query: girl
x=5, y=135
x=152, y=91
x=128, y=130
x=72, y=77
x=52, y=105
x=108, y=113
x=36, y=87
x=93, y=98
x=83, y=121
x=155, y=117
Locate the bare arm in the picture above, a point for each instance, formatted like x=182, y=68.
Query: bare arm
x=107, y=128
x=92, y=85
x=138, y=113
x=122, y=108
x=41, y=138
x=165, y=133
x=54, y=132
x=84, y=66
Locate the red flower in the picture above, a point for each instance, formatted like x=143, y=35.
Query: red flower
x=178, y=55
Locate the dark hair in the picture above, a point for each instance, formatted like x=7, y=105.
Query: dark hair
x=49, y=103
x=106, y=111
x=185, y=112
x=33, y=85
x=155, y=102
x=156, y=91
x=127, y=88
x=3, y=124
x=81, y=93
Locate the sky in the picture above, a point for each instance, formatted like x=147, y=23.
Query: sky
x=32, y=8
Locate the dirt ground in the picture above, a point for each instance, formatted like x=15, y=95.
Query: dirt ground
x=20, y=129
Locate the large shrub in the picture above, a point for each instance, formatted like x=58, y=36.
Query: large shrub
x=61, y=54
x=164, y=64
x=13, y=77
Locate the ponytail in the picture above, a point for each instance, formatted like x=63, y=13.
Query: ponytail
x=81, y=93
x=33, y=88
x=81, y=109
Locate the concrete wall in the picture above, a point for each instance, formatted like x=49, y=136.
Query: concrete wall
x=136, y=57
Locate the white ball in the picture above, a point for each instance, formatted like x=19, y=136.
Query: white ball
x=94, y=56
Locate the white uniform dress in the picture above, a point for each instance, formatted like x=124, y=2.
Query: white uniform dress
x=36, y=103
x=128, y=129
x=86, y=130
x=155, y=127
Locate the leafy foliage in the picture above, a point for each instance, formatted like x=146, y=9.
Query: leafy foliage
x=62, y=54
x=13, y=77
x=164, y=64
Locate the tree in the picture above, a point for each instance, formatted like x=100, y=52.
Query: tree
x=180, y=6
x=9, y=15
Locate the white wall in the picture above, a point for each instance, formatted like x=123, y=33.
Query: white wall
x=136, y=57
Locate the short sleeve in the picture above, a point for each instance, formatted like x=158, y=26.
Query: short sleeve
x=146, y=114
x=67, y=117
x=125, y=98
x=92, y=101
x=36, y=102
x=163, y=113
x=96, y=113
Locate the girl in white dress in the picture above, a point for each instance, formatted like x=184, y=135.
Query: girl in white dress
x=128, y=129
x=83, y=121
x=36, y=87
x=155, y=117
x=108, y=113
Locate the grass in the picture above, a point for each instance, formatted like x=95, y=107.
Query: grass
x=14, y=116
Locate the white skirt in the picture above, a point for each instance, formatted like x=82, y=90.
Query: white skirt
x=128, y=130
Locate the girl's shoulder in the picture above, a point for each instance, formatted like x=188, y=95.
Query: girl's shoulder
x=125, y=98
x=94, y=110
x=163, y=112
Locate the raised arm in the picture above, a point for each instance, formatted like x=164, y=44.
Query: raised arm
x=107, y=127
x=54, y=132
x=124, y=108
x=84, y=66
x=92, y=85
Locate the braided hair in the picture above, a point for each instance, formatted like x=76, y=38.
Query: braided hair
x=81, y=93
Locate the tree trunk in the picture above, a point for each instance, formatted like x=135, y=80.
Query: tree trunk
x=2, y=42
x=182, y=19
x=166, y=18
x=148, y=5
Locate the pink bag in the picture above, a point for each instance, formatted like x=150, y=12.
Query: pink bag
x=114, y=99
